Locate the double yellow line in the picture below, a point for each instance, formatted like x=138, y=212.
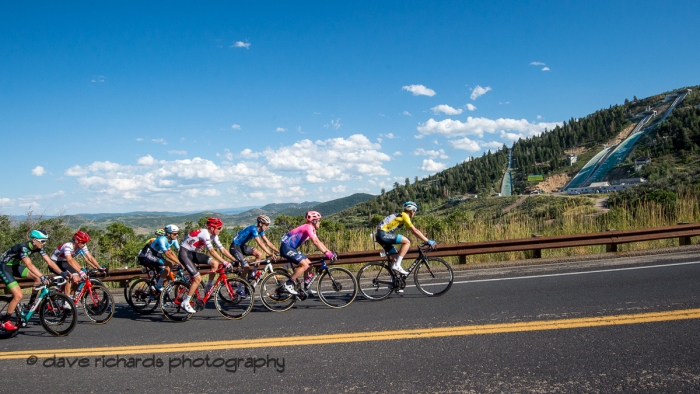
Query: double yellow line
x=362, y=336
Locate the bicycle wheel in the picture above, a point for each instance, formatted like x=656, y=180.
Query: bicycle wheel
x=234, y=298
x=272, y=294
x=433, y=276
x=57, y=314
x=4, y=302
x=375, y=281
x=98, y=304
x=337, y=287
x=171, y=300
x=127, y=288
x=142, y=298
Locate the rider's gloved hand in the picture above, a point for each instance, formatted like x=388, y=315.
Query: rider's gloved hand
x=82, y=274
x=103, y=269
x=331, y=256
x=432, y=243
x=227, y=265
x=272, y=257
x=65, y=274
x=44, y=280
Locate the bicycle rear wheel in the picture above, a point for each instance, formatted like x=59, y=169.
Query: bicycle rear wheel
x=337, y=287
x=98, y=304
x=142, y=298
x=375, y=281
x=273, y=295
x=57, y=314
x=171, y=300
x=433, y=276
x=127, y=288
x=234, y=298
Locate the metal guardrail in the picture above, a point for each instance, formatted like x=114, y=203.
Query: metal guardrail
x=611, y=239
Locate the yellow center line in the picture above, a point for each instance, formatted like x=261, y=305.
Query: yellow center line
x=363, y=336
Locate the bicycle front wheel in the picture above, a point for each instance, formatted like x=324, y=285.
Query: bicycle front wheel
x=127, y=288
x=273, y=295
x=433, y=276
x=337, y=287
x=375, y=281
x=142, y=299
x=234, y=298
x=171, y=301
x=98, y=304
x=57, y=314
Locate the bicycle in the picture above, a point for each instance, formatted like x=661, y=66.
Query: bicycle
x=335, y=287
x=433, y=276
x=142, y=295
x=96, y=300
x=57, y=314
x=229, y=298
x=260, y=275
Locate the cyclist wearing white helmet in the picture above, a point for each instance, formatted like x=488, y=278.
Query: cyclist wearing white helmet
x=158, y=253
x=386, y=234
x=15, y=262
x=293, y=240
x=239, y=249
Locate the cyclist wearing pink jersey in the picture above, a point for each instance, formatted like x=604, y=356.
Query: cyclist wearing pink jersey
x=294, y=239
x=190, y=256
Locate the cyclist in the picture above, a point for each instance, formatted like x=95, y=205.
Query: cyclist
x=157, y=252
x=15, y=262
x=293, y=240
x=387, y=237
x=65, y=255
x=190, y=256
x=239, y=249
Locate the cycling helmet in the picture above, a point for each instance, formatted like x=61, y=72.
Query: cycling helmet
x=160, y=232
x=171, y=228
x=263, y=219
x=410, y=206
x=38, y=234
x=214, y=222
x=312, y=216
x=81, y=236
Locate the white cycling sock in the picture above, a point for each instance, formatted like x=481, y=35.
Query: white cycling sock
x=398, y=261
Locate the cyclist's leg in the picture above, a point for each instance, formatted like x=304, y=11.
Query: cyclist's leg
x=239, y=253
x=297, y=259
x=186, y=258
x=22, y=271
x=10, y=284
x=75, y=278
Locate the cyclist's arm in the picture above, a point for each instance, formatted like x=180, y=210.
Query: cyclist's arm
x=91, y=260
x=32, y=268
x=317, y=242
x=262, y=245
x=226, y=254
x=73, y=263
x=215, y=255
x=171, y=256
x=418, y=234
x=270, y=245
x=54, y=267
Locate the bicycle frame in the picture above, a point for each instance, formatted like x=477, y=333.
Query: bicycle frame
x=25, y=316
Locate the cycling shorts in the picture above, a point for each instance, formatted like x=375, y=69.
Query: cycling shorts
x=149, y=259
x=388, y=240
x=239, y=252
x=191, y=259
x=9, y=272
x=64, y=266
x=291, y=254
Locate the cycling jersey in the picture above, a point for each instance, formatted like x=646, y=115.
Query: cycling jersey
x=198, y=239
x=299, y=235
x=15, y=254
x=152, y=252
x=392, y=222
x=161, y=245
x=68, y=249
x=246, y=235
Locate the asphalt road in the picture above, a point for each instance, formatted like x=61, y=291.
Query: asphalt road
x=625, y=324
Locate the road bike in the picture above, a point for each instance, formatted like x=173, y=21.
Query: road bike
x=433, y=276
x=231, y=298
x=256, y=278
x=94, y=297
x=142, y=294
x=57, y=314
x=335, y=287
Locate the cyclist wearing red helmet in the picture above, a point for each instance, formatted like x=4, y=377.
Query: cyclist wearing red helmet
x=293, y=239
x=65, y=255
x=190, y=256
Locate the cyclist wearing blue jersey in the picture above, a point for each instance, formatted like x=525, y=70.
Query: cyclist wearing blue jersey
x=158, y=252
x=239, y=249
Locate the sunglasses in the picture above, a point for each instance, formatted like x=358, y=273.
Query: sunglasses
x=41, y=241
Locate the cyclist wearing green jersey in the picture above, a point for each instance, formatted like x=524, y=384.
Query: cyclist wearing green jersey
x=387, y=237
x=16, y=262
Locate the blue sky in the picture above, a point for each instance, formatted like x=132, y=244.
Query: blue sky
x=178, y=106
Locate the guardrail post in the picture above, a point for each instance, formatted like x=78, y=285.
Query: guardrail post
x=536, y=253
x=684, y=241
x=462, y=259
x=610, y=248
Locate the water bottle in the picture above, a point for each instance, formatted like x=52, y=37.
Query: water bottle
x=80, y=287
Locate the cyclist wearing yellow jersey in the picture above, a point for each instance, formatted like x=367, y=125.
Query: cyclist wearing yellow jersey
x=387, y=237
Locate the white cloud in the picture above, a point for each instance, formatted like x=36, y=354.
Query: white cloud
x=159, y=141
x=280, y=129
x=38, y=171
x=236, y=126
x=178, y=152
x=405, y=113
x=432, y=166
x=4, y=202
x=471, y=107
x=147, y=160
x=432, y=153
x=419, y=90
x=493, y=144
x=545, y=68
x=537, y=64
x=335, y=124
x=478, y=91
x=446, y=109
x=390, y=136
x=139, y=139
x=465, y=144
x=339, y=189
x=479, y=126
x=249, y=154
x=99, y=79
x=240, y=44
x=398, y=153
